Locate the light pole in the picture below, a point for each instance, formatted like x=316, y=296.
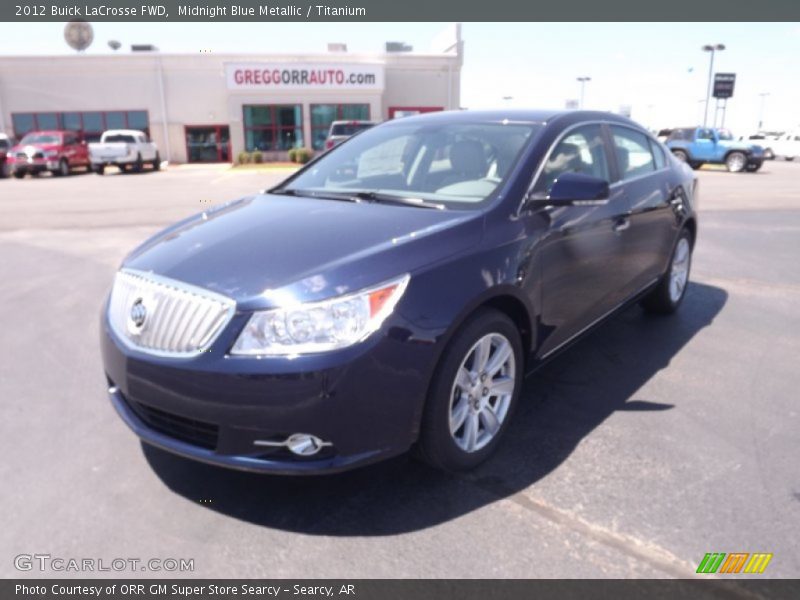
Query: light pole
x=712, y=48
x=583, y=81
x=761, y=110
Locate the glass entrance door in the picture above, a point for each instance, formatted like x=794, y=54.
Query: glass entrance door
x=208, y=143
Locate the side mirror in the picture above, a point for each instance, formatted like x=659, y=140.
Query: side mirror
x=575, y=189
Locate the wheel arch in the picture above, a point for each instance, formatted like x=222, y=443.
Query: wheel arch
x=732, y=150
x=507, y=299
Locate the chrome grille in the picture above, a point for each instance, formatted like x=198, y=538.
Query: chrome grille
x=166, y=317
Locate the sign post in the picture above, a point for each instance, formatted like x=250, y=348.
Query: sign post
x=723, y=89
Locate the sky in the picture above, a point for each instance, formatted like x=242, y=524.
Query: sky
x=658, y=69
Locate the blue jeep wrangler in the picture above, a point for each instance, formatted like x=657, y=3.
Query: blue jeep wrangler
x=700, y=145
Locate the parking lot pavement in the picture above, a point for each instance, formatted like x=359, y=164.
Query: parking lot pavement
x=634, y=453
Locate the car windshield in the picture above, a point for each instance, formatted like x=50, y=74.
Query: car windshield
x=40, y=138
x=724, y=134
x=126, y=139
x=349, y=128
x=457, y=165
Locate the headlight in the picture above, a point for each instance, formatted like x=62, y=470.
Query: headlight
x=320, y=326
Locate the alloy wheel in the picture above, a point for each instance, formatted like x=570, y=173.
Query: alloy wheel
x=482, y=392
x=679, y=273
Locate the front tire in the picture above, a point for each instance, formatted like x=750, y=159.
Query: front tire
x=138, y=165
x=100, y=169
x=63, y=168
x=736, y=162
x=695, y=164
x=157, y=162
x=473, y=394
x=667, y=296
x=753, y=167
x=789, y=158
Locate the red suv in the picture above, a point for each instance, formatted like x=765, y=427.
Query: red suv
x=56, y=151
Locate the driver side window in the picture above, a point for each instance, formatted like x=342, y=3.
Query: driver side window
x=581, y=151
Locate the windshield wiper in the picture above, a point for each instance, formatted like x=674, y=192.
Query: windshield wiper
x=325, y=195
x=400, y=200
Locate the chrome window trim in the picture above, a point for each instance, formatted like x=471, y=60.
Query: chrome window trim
x=227, y=302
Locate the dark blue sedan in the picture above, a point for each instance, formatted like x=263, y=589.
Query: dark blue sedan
x=395, y=291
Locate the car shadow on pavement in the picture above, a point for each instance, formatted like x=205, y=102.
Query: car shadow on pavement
x=563, y=402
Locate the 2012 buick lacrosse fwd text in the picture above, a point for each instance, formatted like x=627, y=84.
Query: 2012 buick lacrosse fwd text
x=394, y=292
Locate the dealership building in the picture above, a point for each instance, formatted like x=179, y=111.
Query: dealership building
x=208, y=107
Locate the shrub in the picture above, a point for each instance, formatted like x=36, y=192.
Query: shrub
x=243, y=158
x=293, y=154
x=257, y=157
x=304, y=155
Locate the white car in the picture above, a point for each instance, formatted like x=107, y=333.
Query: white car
x=787, y=145
x=124, y=148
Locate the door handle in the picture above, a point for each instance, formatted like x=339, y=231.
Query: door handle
x=621, y=224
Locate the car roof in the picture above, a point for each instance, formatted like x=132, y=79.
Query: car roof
x=517, y=115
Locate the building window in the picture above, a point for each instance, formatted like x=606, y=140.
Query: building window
x=90, y=124
x=322, y=115
x=273, y=127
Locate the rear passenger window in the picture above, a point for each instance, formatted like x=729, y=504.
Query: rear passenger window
x=632, y=149
x=581, y=151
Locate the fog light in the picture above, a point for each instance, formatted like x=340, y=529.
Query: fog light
x=304, y=444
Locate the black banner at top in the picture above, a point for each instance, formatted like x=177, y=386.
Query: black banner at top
x=394, y=10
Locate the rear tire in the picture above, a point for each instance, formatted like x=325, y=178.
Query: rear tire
x=736, y=162
x=19, y=174
x=668, y=294
x=695, y=164
x=100, y=169
x=681, y=155
x=790, y=158
x=473, y=393
x=5, y=170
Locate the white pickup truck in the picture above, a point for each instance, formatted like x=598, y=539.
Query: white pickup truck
x=123, y=148
x=787, y=145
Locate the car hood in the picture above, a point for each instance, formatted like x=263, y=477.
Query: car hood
x=263, y=249
x=23, y=148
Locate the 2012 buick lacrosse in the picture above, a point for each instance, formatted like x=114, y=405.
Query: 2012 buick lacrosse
x=394, y=292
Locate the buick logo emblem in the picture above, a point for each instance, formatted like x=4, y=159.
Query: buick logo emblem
x=138, y=313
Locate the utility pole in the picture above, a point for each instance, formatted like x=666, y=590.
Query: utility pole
x=712, y=48
x=583, y=81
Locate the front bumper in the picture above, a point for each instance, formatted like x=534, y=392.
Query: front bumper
x=365, y=400
x=33, y=165
x=108, y=161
